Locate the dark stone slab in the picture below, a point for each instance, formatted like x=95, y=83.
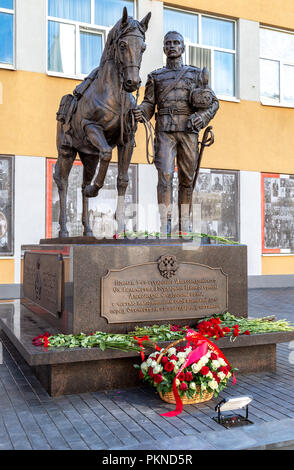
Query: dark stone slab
x=86, y=265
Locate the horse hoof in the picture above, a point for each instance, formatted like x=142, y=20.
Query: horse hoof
x=91, y=190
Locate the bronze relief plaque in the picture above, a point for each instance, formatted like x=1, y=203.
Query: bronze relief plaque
x=43, y=280
x=163, y=290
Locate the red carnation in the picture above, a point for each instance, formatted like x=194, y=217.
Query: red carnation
x=224, y=370
x=175, y=328
x=214, y=357
x=141, y=375
x=182, y=376
x=246, y=332
x=183, y=386
x=164, y=360
x=158, y=378
x=150, y=372
x=189, y=376
x=227, y=329
x=169, y=367
x=236, y=332
x=204, y=370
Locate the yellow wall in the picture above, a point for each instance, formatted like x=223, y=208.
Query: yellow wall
x=248, y=136
x=6, y=271
x=277, y=265
x=271, y=12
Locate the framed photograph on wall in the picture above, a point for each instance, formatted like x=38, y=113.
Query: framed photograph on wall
x=6, y=205
x=101, y=208
x=216, y=194
x=277, y=196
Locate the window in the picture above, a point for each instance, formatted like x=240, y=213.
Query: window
x=276, y=67
x=210, y=42
x=77, y=31
x=6, y=33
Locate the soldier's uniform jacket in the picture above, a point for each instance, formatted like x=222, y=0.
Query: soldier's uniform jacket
x=174, y=108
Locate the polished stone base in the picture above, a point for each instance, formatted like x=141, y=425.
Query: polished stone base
x=88, y=266
x=69, y=371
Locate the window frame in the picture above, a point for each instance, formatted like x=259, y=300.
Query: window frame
x=212, y=48
x=79, y=27
x=11, y=12
x=269, y=101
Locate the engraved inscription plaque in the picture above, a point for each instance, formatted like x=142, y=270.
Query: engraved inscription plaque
x=42, y=280
x=140, y=293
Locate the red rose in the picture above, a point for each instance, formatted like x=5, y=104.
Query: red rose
x=164, y=360
x=158, y=378
x=183, y=386
x=173, y=357
x=214, y=357
x=150, y=372
x=224, y=370
x=227, y=329
x=246, y=332
x=169, y=367
x=182, y=376
x=236, y=332
x=204, y=370
x=189, y=376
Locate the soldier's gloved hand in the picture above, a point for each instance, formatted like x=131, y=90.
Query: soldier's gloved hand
x=197, y=121
x=138, y=114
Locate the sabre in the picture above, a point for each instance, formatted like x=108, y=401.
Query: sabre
x=207, y=141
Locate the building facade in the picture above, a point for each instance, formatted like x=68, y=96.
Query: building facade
x=246, y=185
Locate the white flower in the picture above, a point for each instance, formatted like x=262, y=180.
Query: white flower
x=215, y=364
x=192, y=386
x=195, y=368
x=208, y=354
x=157, y=369
x=177, y=382
x=144, y=366
x=182, y=354
x=229, y=375
x=176, y=369
x=153, y=364
x=209, y=375
x=181, y=360
x=222, y=361
x=174, y=362
x=149, y=361
x=189, y=349
x=221, y=375
x=203, y=386
x=213, y=384
x=205, y=360
x=172, y=351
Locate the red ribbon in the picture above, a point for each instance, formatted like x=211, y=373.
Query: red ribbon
x=202, y=345
x=140, y=341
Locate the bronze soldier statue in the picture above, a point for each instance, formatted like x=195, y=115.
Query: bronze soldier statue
x=185, y=105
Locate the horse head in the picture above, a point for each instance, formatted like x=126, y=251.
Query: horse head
x=126, y=44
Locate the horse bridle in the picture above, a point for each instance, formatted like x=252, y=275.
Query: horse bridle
x=121, y=69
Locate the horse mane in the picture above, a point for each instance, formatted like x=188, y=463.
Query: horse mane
x=117, y=32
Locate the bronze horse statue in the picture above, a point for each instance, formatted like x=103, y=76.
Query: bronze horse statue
x=98, y=117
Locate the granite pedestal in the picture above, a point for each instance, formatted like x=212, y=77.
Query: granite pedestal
x=115, y=285
x=85, y=285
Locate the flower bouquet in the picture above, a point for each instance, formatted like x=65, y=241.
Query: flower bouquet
x=190, y=374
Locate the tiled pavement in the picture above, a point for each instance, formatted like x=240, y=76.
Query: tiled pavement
x=130, y=419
